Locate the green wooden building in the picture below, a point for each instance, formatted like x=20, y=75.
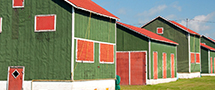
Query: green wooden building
x=207, y=56
x=62, y=44
x=144, y=57
x=188, y=50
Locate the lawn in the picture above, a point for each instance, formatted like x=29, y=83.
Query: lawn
x=203, y=83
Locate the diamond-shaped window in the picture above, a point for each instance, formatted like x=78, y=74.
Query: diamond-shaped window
x=15, y=74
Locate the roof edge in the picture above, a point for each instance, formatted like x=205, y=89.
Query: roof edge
x=146, y=36
x=169, y=22
x=90, y=11
x=208, y=38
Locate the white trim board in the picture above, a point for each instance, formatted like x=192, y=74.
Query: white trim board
x=73, y=45
x=94, y=41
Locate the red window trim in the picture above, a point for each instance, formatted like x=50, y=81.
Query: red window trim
x=35, y=23
x=105, y=62
x=18, y=6
x=160, y=28
x=84, y=61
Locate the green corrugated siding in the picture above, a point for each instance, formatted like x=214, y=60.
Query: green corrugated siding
x=45, y=55
x=195, y=48
x=163, y=48
x=175, y=34
x=194, y=44
x=204, y=60
x=95, y=27
x=130, y=41
x=96, y=70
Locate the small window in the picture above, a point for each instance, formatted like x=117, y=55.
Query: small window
x=160, y=30
x=197, y=57
x=85, y=51
x=0, y=24
x=18, y=3
x=106, y=53
x=45, y=23
x=192, y=55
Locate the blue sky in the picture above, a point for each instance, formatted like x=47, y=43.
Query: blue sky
x=201, y=13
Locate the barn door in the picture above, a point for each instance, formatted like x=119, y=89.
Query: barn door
x=123, y=67
x=138, y=68
x=15, y=77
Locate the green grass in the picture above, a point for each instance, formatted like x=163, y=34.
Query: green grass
x=203, y=83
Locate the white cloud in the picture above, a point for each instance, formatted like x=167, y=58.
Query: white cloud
x=175, y=5
x=122, y=11
x=198, y=23
x=170, y=17
x=153, y=11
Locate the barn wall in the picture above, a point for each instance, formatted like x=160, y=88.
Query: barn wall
x=130, y=41
x=45, y=55
x=204, y=60
x=161, y=48
x=195, y=48
x=94, y=27
x=100, y=30
x=177, y=35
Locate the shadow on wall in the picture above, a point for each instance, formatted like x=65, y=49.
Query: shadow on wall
x=64, y=5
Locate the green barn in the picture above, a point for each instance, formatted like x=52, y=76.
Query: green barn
x=207, y=56
x=188, y=50
x=60, y=44
x=143, y=57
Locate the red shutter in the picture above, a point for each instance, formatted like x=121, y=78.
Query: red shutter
x=155, y=59
x=164, y=65
x=197, y=58
x=85, y=51
x=192, y=57
x=106, y=53
x=45, y=23
x=172, y=65
x=211, y=65
x=18, y=3
x=159, y=30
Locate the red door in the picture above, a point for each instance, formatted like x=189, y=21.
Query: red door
x=15, y=77
x=123, y=67
x=172, y=65
x=138, y=68
x=164, y=65
x=155, y=66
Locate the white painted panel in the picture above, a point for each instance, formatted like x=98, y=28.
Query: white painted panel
x=188, y=75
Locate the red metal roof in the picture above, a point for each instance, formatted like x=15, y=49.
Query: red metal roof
x=91, y=6
x=147, y=33
x=185, y=28
x=206, y=46
x=211, y=39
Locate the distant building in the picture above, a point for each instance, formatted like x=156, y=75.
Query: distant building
x=207, y=56
x=144, y=57
x=188, y=50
